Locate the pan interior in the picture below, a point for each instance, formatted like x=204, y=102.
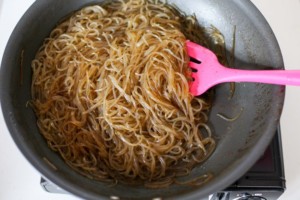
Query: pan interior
x=239, y=142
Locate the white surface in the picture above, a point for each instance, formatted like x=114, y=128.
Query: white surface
x=19, y=180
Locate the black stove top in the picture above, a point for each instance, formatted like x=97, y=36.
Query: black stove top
x=264, y=181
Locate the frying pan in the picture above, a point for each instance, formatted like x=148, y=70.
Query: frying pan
x=240, y=143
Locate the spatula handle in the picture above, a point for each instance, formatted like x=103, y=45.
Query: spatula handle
x=278, y=77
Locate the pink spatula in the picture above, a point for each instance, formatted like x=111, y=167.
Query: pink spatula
x=210, y=72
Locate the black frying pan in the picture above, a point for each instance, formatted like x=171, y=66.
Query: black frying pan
x=239, y=143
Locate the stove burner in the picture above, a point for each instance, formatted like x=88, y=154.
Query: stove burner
x=264, y=181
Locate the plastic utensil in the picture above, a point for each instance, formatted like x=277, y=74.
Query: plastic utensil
x=209, y=72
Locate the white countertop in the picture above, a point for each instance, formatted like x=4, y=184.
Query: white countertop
x=19, y=180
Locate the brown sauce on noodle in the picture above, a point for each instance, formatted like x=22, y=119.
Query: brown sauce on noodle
x=110, y=91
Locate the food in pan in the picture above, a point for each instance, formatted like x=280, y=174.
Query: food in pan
x=111, y=95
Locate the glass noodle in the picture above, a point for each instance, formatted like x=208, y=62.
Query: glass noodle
x=111, y=94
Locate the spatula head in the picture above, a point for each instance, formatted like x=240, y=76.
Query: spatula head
x=203, y=69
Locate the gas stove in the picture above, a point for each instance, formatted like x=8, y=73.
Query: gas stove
x=264, y=181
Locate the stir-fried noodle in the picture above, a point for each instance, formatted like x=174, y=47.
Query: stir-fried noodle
x=110, y=91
